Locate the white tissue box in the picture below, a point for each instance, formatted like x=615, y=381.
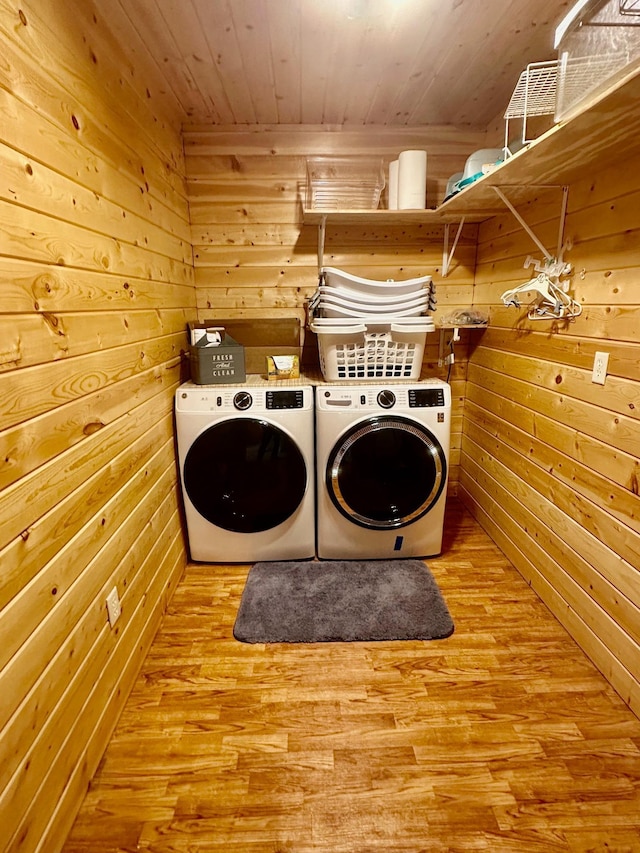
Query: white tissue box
x=213, y=362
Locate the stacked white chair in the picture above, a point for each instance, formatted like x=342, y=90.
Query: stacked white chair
x=371, y=329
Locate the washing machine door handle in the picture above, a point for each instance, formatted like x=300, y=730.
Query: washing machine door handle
x=386, y=472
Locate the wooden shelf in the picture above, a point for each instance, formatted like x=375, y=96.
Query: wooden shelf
x=443, y=326
x=601, y=134
x=383, y=217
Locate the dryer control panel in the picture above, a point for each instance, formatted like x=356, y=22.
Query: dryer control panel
x=420, y=398
x=390, y=398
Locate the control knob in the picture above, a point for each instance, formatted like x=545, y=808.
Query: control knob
x=242, y=400
x=386, y=399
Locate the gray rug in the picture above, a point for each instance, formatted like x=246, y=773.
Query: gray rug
x=341, y=601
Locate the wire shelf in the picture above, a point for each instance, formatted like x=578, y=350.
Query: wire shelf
x=535, y=92
x=534, y=95
x=629, y=7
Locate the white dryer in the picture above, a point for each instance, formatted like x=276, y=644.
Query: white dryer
x=382, y=461
x=246, y=458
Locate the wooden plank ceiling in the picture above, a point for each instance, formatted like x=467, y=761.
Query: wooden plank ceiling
x=337, y=62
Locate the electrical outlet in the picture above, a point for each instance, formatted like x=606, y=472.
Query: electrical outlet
x=113, y=606
x=600, y=364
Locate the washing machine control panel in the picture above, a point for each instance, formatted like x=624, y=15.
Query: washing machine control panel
x=397, y=397
x=293, y=399
x=421, y=398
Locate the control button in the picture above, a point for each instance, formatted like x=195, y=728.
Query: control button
x=386, y=399
x=218, y=401
x=242, y=400
x=363, y=399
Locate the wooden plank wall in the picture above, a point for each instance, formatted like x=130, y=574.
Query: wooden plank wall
x=96, y=286
x=549, y=459
x=254, y=257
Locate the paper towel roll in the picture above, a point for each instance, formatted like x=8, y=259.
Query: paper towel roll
x=412, y=180
x=393, y=185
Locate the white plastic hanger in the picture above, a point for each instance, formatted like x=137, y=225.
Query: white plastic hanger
x=551, y=301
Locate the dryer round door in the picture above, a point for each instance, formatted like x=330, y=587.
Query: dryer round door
x=386, y=472
x=245, y=475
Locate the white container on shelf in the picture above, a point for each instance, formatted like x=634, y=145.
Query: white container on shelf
x=481, y=162
x=412, y=180
x=344, y=183
x=393, y=185
x=598, y=43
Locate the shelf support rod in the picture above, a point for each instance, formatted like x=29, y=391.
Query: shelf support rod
x=322, y=230
x=563, y=214
x=447, y=256
x=506, y=201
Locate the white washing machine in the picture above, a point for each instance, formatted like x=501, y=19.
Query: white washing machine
x=382, y=460
x=246, y=458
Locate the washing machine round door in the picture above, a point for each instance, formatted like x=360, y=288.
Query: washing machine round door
x=245, y=475
x=386, y=472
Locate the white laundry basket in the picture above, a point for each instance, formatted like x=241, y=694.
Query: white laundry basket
x=372, y=349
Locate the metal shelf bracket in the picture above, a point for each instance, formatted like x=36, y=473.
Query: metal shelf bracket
x=322, y=231
x=447, y=256
x=563, y=212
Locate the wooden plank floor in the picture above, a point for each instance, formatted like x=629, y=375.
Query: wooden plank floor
x=503, y=737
